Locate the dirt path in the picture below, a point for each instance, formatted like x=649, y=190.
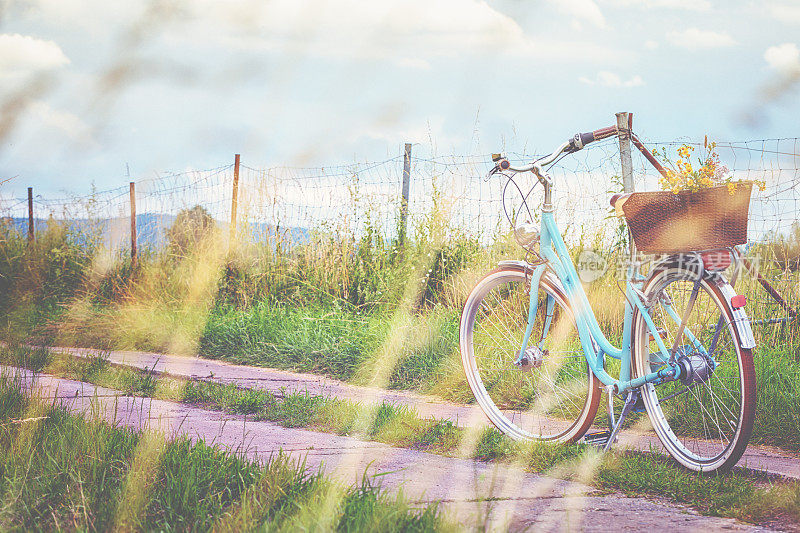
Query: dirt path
x=766, y=458
x=519, y=500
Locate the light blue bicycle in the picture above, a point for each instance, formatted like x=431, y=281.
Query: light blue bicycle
x=537, y=361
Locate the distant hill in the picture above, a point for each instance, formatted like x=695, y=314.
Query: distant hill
x=151, y=229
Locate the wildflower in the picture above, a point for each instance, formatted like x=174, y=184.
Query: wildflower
x=683, y=174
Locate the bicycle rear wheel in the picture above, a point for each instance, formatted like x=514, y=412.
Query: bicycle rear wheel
x=704, y=419
x=555, y=398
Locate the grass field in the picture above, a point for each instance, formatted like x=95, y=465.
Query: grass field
x=361, y=309
x=358, y=309
x=337, y=344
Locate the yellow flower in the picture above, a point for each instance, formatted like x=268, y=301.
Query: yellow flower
x=682, y=174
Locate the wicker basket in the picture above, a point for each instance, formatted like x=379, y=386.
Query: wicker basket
x=666, y=222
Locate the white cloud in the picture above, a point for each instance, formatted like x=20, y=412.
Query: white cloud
x=23, y=54
x=784, y=58
x=354, y=28
x=687, y=5
x=418, y=131
x=784, y=12
x=651, y=44
x=391, y=29
x=694, y=38
x=62, y=123
x=414, y=63
x=92, y=17
x=610, y=79
x=586, y=10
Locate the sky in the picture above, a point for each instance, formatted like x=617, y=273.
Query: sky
x=91, y=90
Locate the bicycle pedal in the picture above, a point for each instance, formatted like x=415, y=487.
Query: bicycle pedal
x=638, y=405
x=597, y=438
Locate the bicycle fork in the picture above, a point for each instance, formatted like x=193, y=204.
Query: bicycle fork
x=533, y=356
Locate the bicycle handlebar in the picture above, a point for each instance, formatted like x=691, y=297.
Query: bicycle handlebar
x=577, y=142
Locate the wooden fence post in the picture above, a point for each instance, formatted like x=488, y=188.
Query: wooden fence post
x=30, y=214
x=404, y=200
x=133, y=225
x=624, y=121
x=234, y=197
x=624, y=125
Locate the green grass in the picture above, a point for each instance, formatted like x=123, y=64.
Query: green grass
x=59, y=471
x=330, y=341
x=389, y=423
x=338, y=306
x=778, y=406
x=335, y=343
x=737, y=494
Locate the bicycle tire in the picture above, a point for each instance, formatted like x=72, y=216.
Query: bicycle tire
x=547, y=402
x=698, y=430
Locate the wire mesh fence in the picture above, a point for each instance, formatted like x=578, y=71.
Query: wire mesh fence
x=348, y=200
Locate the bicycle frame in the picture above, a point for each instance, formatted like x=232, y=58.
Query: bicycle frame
x=594, y=342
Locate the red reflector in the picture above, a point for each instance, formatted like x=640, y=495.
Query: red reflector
x=738, y=301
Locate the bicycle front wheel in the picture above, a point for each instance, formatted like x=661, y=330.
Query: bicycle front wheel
x=704, y=419
x=556, y=396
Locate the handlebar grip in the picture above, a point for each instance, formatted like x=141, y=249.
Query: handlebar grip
x=580, y=140
x=603, y=133
x=586, y=138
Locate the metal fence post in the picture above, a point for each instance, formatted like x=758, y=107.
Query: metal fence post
x=30, y=214
x=404, y=200
x=234, y=197
x=624, y=124
x=133, y=225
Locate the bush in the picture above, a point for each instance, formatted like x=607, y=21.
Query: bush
x=192, y=226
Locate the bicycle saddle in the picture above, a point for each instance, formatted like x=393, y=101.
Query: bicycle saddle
x=617, y=201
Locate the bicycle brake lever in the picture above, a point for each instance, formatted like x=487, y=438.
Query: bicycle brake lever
x=501, y=164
